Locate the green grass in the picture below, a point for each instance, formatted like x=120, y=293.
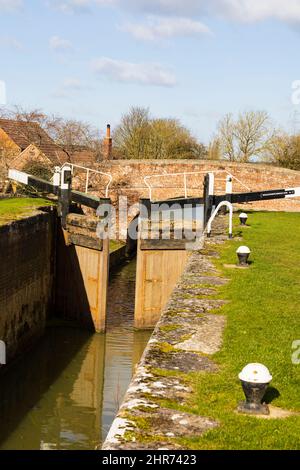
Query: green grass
x=115, y=245
x=14, y=209
x=262, y=323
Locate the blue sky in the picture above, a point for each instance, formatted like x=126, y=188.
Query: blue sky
x=190, y=59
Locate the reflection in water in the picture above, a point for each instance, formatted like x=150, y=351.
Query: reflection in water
x=65, y=393
x=124, y=346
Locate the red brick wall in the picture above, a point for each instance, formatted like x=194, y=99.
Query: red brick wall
x=129, y=179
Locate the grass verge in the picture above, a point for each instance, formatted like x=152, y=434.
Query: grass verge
x=262, y=324
x=17, y=208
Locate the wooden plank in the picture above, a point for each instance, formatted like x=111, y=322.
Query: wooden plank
x=86, y=241
x=164, y=245
x=158, y=272
x=94, y=269
x=81, y=283
x=78, y=220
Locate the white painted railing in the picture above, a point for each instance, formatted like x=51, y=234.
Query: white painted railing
x=235, y=179
x=215, y=213
x=185, y=176
x=168, y=175
x=89, y=172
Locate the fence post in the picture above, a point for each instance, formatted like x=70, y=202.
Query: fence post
x=185, y=186
x=87, y=181
x=65, y=194
x=228, y=195
x=209, y=182
x=229, y=188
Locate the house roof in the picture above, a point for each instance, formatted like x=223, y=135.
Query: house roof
x=24, y=133
x=82, y=156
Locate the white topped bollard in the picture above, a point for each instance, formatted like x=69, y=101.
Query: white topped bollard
x=243, y=218
x=255, y=379
x=243, y=253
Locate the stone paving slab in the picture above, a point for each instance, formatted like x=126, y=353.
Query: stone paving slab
x=207, y=337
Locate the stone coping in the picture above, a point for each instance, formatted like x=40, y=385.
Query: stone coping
x=185, y=337
x=191, y=162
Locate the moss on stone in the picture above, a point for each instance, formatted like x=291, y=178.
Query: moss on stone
x=184, y=338
x=165, y=348
x=168, y=328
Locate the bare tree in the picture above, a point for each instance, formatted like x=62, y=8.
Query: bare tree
x=131, y=137
x=214, y=150
x=252, y=134
x=284, y=151
x=226, y=137
x=247, y=138
x=7, y=153
x=69, y=134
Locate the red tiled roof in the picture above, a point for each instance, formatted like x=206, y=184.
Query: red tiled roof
x=25, y=133
x=81, y=155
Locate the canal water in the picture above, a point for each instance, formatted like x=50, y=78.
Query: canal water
x=65, y=393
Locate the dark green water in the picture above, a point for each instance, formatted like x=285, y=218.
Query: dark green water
x=65, y=393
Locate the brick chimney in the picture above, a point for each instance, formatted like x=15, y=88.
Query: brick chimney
x=107, y=144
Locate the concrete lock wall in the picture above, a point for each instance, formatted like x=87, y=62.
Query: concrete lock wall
x=41, y=273
x=27, y=264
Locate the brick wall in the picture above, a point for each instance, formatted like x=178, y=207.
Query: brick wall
x=129, y=180
x=26, y=279
x=30, y=155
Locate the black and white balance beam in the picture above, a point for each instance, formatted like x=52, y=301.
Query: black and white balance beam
x=54, y=188
x=258, y=196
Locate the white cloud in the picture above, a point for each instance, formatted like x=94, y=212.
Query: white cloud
x=165, y=27
x=11, y=43
x=141, y=73
x=173, y=7
x=258, y=10
x=58, y=44
x=10, y=5
x=80, y=6
x=68, y=86
x=237, y=10
x=72, y=84
x=149, y=6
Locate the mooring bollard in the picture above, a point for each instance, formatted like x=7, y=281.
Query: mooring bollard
x=243, y=218
x=255, y=379
x=243, y=253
